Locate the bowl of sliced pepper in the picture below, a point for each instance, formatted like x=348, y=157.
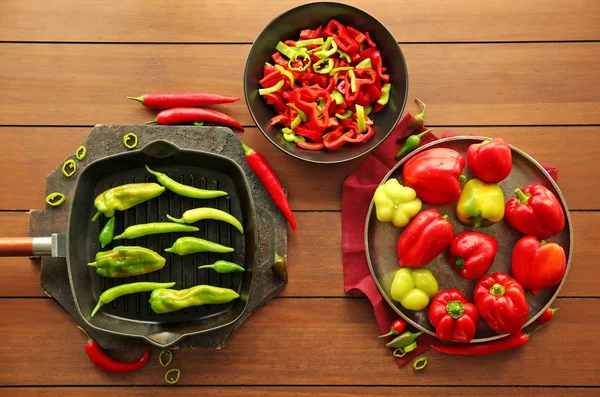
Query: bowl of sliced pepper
x=325, y=82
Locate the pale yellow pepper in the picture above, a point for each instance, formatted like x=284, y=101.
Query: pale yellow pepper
x=396, y=203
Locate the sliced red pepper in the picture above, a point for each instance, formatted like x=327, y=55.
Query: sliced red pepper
x=308, y=34
x=305, y=100
x=310, y=145
x=355, y=34
x=345, y=43
x=279, y=59
x=280, y=118
x=376, y=59
x=290, y=43
x=368, y=53
x=360, y=138
x=271, y=79
x=275, y=99
x=268, y=69
x=377, y=107
x=369, y=41
x=334, y=140
x=313, y=135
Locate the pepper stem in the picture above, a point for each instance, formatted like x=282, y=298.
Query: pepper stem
x=86, y=334
x=420, y=103
x=477, y=221
x=424, y=132
x=445, y=216
x=247, y=150
x=140, y=99
x=152, y=121
x=462, y=179
x=455, y=309
x=459, y=262
x=497, y=289
x=96, y=216
x=554, y=310
x=391, y=333
x=542, y=241
x=98, y=306
x=529, y=333
x=93, y=264
x=523, y=198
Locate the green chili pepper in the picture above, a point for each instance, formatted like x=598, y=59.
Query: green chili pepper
x=81, y=152
x=130, y=136
x=146, y=229
x=107, y=233
x=295, y=58
x=412, y=142
x=323, y=66
x=167, y=353
x=191, y=245
x=172, y=380
x=365, y=64
x=69, y=168
x=368, y=110
x=343, y=55
x=405, y=350
x=337, y=97
x=341, y=68
x=385, y=94
x=286, y=50
x=199, y=124
x=305, y=43
x=185, y=190
x=127, y=261
x=300, y=112
x=326, y=51
x=420, y=363
x=270, y=90
x=360, y=118
x=165, y=300
x=352, y=80
x=223, y=267
x=55, y=199
x=126, y=289
x=297, y=121
x=123, y=197
x=286, y=73
x=197, y=214
x=347, y=114
x=404, y=339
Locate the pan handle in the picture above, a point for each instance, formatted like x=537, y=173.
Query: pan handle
x=28, y=246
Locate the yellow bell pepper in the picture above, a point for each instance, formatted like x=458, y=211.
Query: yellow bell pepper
x=479, y=202
x=413, y=288
x=396, y=203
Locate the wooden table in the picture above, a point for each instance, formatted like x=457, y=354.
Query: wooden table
x=526, y=71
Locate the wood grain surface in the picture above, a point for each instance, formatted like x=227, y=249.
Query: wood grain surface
x=525, y=71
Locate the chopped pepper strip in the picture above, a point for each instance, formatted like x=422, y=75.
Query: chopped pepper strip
x=169, y=355
x=337, y=97
x=402, y=351
x=172, y=379
x=306, y=43
x=385, y=94
x=286, y=73
x=420, y=363
x=377, y=66
x=55, y=199
x=347, y=114
x=81, y=153
x=356, y=35
x=352, y=80
x=311, y=145
x=327, y=52
x=286, y=50
x=302, y=68
x=297, y=121
x=341, y=68
x=360, y=118
x=300, y=112
x=69, y=168
x=343, y=55
x=270, y=90
x=365, y=64
x=368, y=110
x=324, y=66
x=130, y=137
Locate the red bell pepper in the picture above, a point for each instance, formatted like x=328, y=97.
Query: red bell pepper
x=359, y=138
x=341, y=37
x=279, y=59
x=276, y=100
x=535, y=211
x=425, y=237
x=453, y=317
x=308, y=34
x=435, y=174
x=355, y=34
x=501, y=302
x=538, y=265
x=472, y=254
x=490, y=161
x=305, y=99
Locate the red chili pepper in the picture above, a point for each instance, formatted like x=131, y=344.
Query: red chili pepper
x=546, y=316
x=501, y=302
x=536, y=212
x=102, y=361
x=396, y=328
x=435, y=174
x=490, y=161
x=188, y=115
x=265, y=173
x=453, y=317
x=537, y=265
x=472, y=254
x=425, y=237
x=166, y=101
x=474, y=349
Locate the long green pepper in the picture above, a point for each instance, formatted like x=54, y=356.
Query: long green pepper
x=223, y=267
x=107, y=233
x=198, y=214
x=192, y=245
x=126, y=289
x=168, y=300
x=124, y=197
x=146, y=229
x=127, y=261
x=185, y=190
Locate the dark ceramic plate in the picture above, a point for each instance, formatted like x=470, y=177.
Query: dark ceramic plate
x=309, y=16
x=381, y=240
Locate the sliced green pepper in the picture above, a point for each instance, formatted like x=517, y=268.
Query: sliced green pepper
x=295, y=58
x=290, y=136
x=270, y=90
x=305, y=43
x=360, y=118
x=352, y=80
x=286, y=50
x=199, y=124
x=327, y=52
x=385, y=94
x=420, y=363
x=300, y=112
x=81, y=152
x=347, y=114
x=167, y=353
x=130, y=136
x=365, y=64
x=55, y=199
x=337, y=97
x=69, y=168
x=286, y=73
x=345, y=56
x=368, y=110
x=296, y=122
x=335, y=70
x=324, y=66
x=172, y=379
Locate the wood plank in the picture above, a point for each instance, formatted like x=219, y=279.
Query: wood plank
x=294, y=391
x=25, y=167
x=337, y=345
x=66, y=84
x=151, y=21
x=315, y=258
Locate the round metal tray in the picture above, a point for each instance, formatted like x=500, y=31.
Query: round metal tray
x=381, y=240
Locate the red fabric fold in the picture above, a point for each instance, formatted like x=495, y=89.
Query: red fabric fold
x=357, y=191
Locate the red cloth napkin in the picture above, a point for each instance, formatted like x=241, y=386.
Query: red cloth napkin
x=357, y=192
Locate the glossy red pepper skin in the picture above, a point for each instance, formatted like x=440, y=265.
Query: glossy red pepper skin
x=435, y=174
x=472, y=254
x=167, y=101
x=188, y=115
x=536, y=212
x=266, y=174
x=501, y=302
x=396, y=328
x=102, y=361
x=537, y=265
x=490, y=161
x=453, y=316
x=546, y=316
x=311, y=145
x=476, y=349
x=305, y=100
x=425, y=237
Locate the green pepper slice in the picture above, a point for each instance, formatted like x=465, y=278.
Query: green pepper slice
x=340, y=69
x=55, y=199
x=130, y=137
x=169, y=355
x=360, y=118
x=286, y=73
x=286, y=50
x=352, y=80
x=324, y=66
x=297, y=55
x=199, y=124
x=368, y=110
x=305, y=43
x=385, y=94
x=296, y=122
x=420, y=363
x=270, y=90
x=345, y=56
x=290, y=136
x=81, y=152
x=337, y=97
x=69, y=168
x=300, y=112
x=327, y=52
x=365, y=64
x=172, y=379
x=347, y=114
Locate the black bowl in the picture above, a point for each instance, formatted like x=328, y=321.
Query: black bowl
x=309, y=16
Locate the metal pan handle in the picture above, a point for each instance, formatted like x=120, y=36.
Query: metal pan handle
x=29, y=246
